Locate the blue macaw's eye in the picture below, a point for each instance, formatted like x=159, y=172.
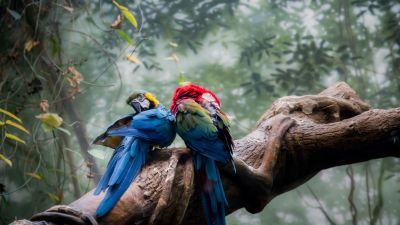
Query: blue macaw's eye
x=141, y=98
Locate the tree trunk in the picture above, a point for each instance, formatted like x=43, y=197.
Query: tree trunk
x=294, y=140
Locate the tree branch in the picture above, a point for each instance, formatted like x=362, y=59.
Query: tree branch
x=294, y=140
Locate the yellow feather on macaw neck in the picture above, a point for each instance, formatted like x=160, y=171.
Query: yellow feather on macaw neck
x=151, y=98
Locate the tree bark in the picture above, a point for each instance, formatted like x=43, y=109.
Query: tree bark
x=294, y=140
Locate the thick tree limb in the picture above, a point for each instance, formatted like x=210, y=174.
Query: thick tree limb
x=294, y=140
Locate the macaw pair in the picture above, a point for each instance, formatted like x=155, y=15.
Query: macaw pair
x=196, y=116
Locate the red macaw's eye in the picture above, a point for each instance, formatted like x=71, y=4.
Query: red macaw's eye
x=181, y=108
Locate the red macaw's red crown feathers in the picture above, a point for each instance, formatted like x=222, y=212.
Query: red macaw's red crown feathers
x=190, y=91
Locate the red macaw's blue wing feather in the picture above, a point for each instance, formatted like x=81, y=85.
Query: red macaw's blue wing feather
x=205, y=131
x=151, y=127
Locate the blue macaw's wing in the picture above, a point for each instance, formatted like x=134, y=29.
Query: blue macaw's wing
x=115, y=158
x=155, y=126
x=122, y=169
x=199, y=132
x=113, y=141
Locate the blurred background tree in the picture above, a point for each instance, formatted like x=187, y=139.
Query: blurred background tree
x=67, y=66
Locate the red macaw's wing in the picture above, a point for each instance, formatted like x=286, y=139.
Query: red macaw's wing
x=113, y=141
x=199, y=132
x=222, y=123
x=220, y=120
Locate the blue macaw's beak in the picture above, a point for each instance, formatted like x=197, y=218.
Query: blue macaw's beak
x=136, y=106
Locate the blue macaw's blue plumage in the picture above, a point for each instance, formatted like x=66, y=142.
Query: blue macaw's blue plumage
x=153, y=127
x=206, y=133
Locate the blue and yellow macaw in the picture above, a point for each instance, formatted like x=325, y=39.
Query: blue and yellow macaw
x=205, y=129
x=132, y=136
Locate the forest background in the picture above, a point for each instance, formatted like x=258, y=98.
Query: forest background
x=67, y=66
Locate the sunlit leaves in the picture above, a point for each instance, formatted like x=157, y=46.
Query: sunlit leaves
x=128, y=15
x=37, y=176
x=125, y=36
x=30, y=44
x=50, y=120
x=173, y=44
x=16, y=125
x=182, y=80
x=56, y=198
x=133, y=59
x=10, y=115
x=11, y=123
x=117, y=24
x=74, y=80
x=173, y=57
x=5, y=160
x=14, y=137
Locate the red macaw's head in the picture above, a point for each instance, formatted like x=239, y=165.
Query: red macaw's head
x=192, y=91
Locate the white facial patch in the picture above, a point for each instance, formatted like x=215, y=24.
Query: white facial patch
x=208, y=97
x=145, y=104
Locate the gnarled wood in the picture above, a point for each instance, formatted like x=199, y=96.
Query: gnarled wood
x=295, y=139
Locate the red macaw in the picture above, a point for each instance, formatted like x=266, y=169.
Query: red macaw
x=205, y=129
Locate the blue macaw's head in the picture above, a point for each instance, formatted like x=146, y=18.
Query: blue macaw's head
x=142, y=101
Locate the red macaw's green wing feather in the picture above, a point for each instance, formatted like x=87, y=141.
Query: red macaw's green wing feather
x=197, y=129
x=222, y=122
x=113, y=141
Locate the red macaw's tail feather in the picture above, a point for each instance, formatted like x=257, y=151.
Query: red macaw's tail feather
x=212, y=192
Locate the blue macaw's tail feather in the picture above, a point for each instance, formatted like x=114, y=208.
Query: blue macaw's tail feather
x=212, y=192
x=123, y=171
x=119, y=151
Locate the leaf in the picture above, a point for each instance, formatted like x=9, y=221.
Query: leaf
x=37, y=176
x=50, y=120
x=14, y=14
x=64, y=131
x=118, y=22
x=98, y=153
x=74, y=81
x=15, y=138
x=30, y=44
x=6, y=160
x=10, y=115
x=128, y=15
x=125, y=36
x=389, y=176
x=16, y=125
x=54, y=197
x=69, y=9
x=133, y=59
x=173, y=57
x=44, y=106
x=173, y=44
x=182, y=80
x=76, y=77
